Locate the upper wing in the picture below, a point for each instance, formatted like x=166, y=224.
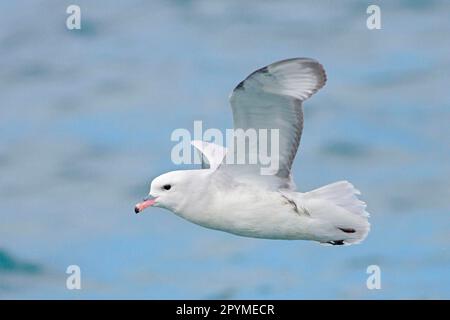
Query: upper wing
x=271, y=98
x=212, y=154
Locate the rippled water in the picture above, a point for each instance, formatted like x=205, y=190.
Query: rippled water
x=85, y=124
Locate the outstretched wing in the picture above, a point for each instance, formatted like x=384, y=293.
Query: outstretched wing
x=271, y=98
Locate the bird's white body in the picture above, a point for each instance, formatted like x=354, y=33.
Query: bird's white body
x=241, y=209
x=238, y=199
x=215, y=200
x=249, y=211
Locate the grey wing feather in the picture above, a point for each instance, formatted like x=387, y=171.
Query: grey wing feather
x=271, y=98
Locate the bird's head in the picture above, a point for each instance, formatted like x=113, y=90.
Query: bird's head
x=169, y=190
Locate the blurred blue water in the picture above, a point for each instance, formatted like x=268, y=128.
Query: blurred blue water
x=85, y=124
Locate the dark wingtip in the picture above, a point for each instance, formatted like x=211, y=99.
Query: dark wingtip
x=136, y=210
x=347, y=230
x=240, y=85
x=260, y=70
x=337, y=242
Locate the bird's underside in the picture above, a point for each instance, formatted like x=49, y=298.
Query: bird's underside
x=246, y=210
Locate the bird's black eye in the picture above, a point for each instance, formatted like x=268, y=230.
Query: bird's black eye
x=167, y=187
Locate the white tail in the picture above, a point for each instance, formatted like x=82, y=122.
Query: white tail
x=342, y=215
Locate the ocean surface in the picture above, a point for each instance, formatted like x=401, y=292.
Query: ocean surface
x=85, y=123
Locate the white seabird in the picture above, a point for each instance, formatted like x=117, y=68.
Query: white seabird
x=237, y=198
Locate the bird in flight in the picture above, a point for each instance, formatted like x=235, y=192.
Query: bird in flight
x=237, y=198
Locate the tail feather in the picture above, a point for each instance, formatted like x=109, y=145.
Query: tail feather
x=343, y=194
x=337, y=206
